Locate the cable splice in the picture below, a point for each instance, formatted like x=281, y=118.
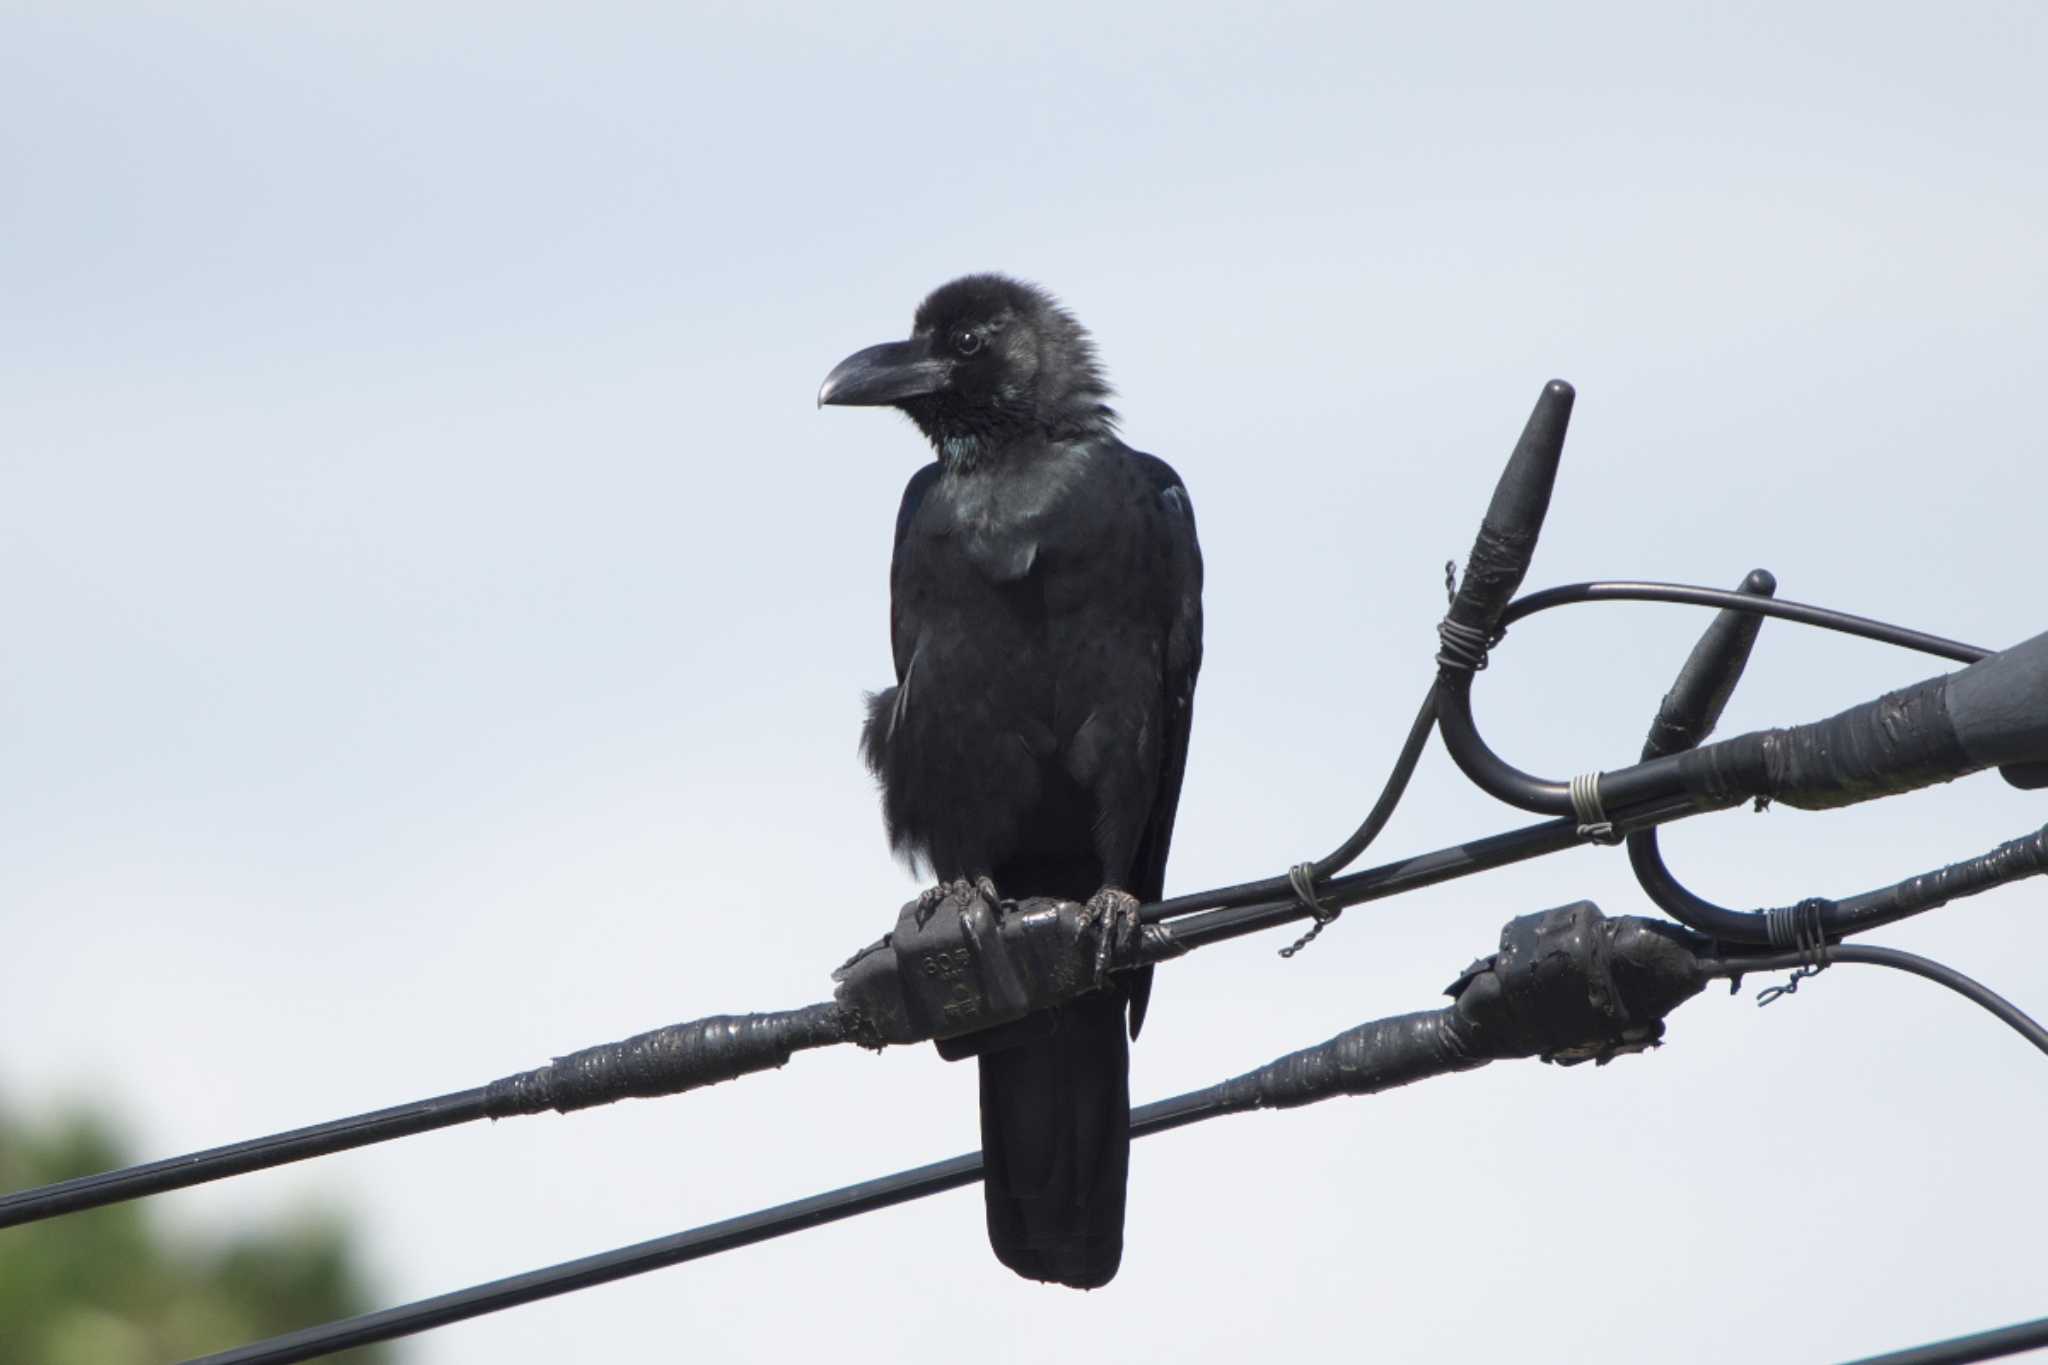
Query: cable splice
x=670, y=1060
x=1526, y=1000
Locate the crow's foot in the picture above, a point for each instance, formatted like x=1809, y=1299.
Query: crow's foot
x=1115, y=912
x=959, y=889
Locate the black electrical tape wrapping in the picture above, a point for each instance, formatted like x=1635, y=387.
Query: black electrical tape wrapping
x=1994, y=712
x=1362, y=1061
x=1637, y=970
x=1902, y=741
x=668, y=1061
x=2010, y=861
x=1498, y=563
x=1568, y=985
x=1507, y=534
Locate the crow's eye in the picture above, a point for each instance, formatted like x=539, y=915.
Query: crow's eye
x=966, y=343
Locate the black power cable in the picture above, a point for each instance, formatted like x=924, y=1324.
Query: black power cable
x=1623, y=590
x=663, y=1061
x=1570, y=594
x=1197, y=921
x=728, y=1235
x=1232, y=913
x=1479, y=610
x=2001, y=1341
x=239, y=1158
x=1644, y=796
x=1335, y=861
x=1974, y=991
x=1531, y=998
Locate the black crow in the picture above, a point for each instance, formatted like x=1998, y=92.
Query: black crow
x=1046, y=618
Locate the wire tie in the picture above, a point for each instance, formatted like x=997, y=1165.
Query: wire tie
x=1593, y=821
x=1802, y=929
x=1302, y=877
x=1463, y=646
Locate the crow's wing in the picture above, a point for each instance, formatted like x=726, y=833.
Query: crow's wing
x=1183, y=660
x=905, y=617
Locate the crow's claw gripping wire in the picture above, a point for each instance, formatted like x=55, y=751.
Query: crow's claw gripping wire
x=960, y=889
x=1115, y=912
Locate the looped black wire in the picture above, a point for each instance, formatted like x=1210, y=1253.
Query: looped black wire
x=1801, y=929
x=1302, y=877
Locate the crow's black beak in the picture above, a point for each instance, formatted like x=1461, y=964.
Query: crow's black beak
x=884, y=374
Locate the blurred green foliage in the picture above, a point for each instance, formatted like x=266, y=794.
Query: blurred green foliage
x=109, y=1288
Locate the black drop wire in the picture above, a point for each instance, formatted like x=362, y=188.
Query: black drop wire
x=1941, y=974
x=904, y=1186
x=2000, y=1341
x=730, y=1234
x=239, y=1158
x=1335, y=861
x=1625, y=590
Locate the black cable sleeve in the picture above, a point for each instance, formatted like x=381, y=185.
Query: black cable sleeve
x=1365, y=1060
x=1707, y=678
x=1506, y=541
x=665, y=1061
x=1900, y=742
x=671, y=1060
x=2000, y=706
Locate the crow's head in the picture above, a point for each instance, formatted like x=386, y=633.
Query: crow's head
x=989, y=359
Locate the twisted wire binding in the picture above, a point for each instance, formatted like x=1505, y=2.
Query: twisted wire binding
x=1302, y=877
x=1463, y=647
x=1801, y=929
x=1593, y=821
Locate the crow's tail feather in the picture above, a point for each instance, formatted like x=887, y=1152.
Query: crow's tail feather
x=1056, y=1144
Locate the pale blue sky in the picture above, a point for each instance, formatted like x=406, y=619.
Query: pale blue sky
x=436, y=618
